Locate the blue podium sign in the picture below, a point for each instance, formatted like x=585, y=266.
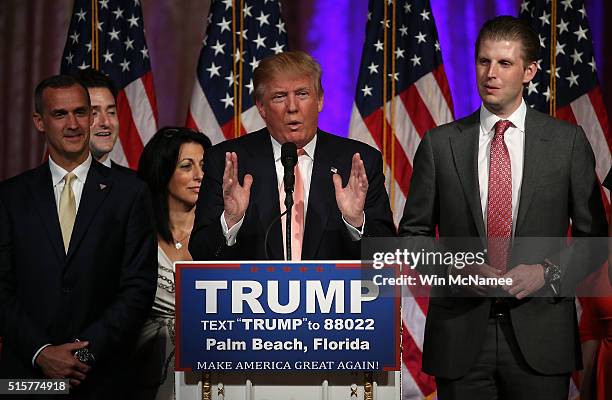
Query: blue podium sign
x=271, y=316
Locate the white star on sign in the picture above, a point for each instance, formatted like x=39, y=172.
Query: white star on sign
x=415, y=60
x=379, y=46
x=403, y=30
x=213, y=70
x=420, y=37
x=103, y=3
x=399, y=53
x=367, y=91
x=228, y=4
x=425, y=15
x=228, y=101
x=69, y=58
x=218, y=48
x=281, y=27
x=407, y=8
x=247, y=11
x=225, y=25
x=145, y=53
x=573, y=79
x=373, y=68
x=125, y=65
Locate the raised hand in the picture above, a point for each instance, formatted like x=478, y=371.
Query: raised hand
x=235, y=196
x=351, y=198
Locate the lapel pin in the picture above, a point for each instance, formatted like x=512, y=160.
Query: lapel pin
x=334, y=170
x=102, y=186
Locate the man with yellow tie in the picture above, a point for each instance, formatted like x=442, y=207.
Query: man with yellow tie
x=77, y=255
x=339, y=195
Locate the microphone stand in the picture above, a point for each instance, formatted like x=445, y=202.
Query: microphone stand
x=288, y=207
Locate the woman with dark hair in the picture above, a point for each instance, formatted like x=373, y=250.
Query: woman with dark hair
x=596, y=331
x=171, y=165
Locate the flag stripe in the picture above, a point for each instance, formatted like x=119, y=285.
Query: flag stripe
x=440, y=76
x=602, y=116
x=413, y=358
x=128, y=134
x=417, y=110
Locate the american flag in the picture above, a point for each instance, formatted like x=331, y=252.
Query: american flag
x=401, y=67
x=108, y=35
x=237, y=39
x=573, y=93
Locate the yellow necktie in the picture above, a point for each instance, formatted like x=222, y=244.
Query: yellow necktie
x=67, y=209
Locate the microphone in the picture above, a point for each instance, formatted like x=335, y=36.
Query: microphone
x=289, y=159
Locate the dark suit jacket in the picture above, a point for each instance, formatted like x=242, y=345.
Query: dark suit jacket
x=101, y=291
x=122, y=168
x=325, y=234
x=559, y=184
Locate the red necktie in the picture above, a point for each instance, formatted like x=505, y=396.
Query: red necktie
x=499, y=202
x=297, y=213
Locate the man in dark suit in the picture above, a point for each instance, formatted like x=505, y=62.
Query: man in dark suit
x=77, y=255
x=105, y=121
x=504, y=174
x=344, y=197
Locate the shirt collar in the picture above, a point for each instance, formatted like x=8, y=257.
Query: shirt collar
x=58, y=173
x=107, y=162
x=488, y=119
x=309, y=149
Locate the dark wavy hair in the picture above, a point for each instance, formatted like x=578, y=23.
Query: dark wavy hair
x=156, y=167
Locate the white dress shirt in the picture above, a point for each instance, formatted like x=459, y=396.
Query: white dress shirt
x=515, y=142
x=306, y=162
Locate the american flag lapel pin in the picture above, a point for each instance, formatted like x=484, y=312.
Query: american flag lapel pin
x=333, y=170
x=102, y=186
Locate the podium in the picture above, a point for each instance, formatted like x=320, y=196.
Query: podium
x=284, y=330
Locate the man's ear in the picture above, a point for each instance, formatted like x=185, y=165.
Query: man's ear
x=38, y=122
x=261, y=109
x=530, y=71
x=320, y=102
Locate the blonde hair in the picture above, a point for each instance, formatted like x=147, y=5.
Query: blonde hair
x=288, y=63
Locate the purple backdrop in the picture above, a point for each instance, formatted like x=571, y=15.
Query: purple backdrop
x=336, y=40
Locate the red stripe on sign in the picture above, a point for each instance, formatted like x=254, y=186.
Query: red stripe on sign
x=417, y=110
x=128, y=134
x=565, y=113
x=440, y=76
x=413, y=359
x=147, y=81
x=403, y=168
x=602, y=115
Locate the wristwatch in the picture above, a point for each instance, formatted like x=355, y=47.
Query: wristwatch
x=84, y=355
x=552, y=276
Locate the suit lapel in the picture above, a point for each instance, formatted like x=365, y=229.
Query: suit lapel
x=321, y=191
x=44, y=199
x=265, y=190
x=536, y=139
x=464, y=147
x=97, y=187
